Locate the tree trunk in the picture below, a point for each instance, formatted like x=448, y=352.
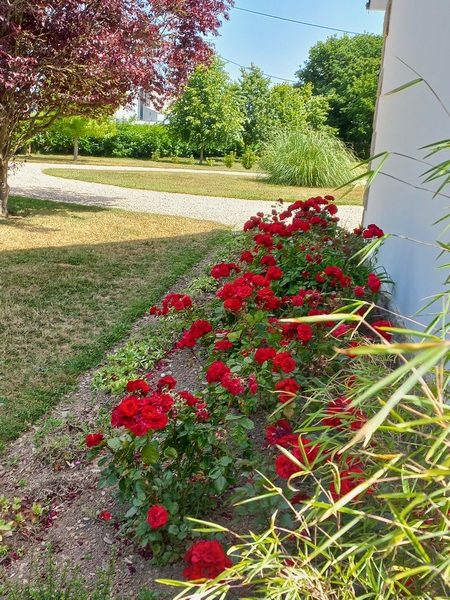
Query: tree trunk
x=4, y=188
x=201, y=155
x=75, y=148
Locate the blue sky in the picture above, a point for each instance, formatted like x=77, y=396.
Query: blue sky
x=279, y=47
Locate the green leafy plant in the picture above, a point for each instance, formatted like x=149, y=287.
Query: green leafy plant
x=47, y=582
x=307, y=158
x=138, y=355
x=172, y=460
x=229, y=159
x=248, y=159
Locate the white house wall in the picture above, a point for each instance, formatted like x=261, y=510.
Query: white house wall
x=418, y=33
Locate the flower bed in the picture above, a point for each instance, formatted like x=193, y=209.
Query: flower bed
x=282, y=337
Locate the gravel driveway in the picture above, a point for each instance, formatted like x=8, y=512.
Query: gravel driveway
x=29, y=180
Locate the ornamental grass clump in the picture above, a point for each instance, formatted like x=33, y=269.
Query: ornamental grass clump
x=307, y=158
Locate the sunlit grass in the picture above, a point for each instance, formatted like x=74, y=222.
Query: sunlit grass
x=246, y=188
x=74, y=279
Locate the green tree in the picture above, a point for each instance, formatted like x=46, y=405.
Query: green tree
x=78, y=127
x=254, y=89
x=345, y=69
x=297, y=107
x=208, y=114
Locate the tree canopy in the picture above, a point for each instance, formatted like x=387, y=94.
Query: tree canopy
x=71, y=57
x=345, y=70
x=254, y=90
x=208, y=114
x=297, y=107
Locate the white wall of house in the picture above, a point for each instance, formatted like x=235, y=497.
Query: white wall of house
x=418, y=33
x=140, y=111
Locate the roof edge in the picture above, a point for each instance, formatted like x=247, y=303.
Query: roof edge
x=377, y=4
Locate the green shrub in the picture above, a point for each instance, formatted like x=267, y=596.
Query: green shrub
x=229, y=159
x=307, y=158
x=129, y=140
x=248, y=159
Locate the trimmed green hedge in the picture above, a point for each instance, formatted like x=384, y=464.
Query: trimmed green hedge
x=128, y=140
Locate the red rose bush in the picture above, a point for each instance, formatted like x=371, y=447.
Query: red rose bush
x=175, y=451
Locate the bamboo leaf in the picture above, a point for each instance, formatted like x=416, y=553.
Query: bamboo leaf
x=405, y=86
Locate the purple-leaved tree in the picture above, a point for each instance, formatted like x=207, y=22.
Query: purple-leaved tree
x=78, y=57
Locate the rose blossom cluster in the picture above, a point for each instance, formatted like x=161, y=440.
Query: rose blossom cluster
x=178, y=302
x=206, y=559
x=197, y=330
x=145, y=409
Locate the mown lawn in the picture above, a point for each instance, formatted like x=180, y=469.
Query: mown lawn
x=204, y=184
x=167, y=163
x=73, y=280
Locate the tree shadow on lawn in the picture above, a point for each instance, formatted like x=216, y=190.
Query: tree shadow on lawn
x=62, y=308
x=29, y=207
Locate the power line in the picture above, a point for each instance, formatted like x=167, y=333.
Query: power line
x=247, y=68
x=255, y=12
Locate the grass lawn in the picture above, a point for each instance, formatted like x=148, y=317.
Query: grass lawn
x=102, y=161
x=205, y=184
x=74, y=279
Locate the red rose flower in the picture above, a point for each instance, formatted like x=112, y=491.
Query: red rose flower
x=341, y=412
x=277, y=431
x=304, y=332
x=216, y=371
x=161, y=401
x=252, y=384
x=348, y=480
x=374, y=283
x=341, y=330
x=223, y=345
x=264, y=354
x=157, y=516
x=167, y=382
x=233, y=304
x=246, y=256
x=306, y=453
x=260, y=281
x=154, y=418
x=129, y=406
x=201, y=327
x=289, y=387
x=283, y=361
x=274, y=273
x=206, y=560
x=189, y=398
x=94, y=439
x=359, y=291
x=232, y=384
x=201, y=413
x=268, y=260
x=138, y=385
x=386, y=334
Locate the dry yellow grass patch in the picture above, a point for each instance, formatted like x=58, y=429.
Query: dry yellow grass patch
x=51, y=225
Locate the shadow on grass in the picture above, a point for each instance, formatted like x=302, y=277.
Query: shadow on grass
x=62, y=308
x=19, y=206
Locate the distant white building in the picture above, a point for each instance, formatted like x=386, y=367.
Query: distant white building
x=140, y=111
x=416, y=45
